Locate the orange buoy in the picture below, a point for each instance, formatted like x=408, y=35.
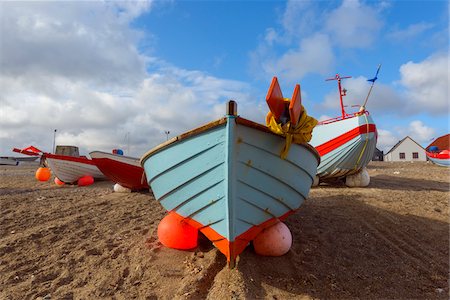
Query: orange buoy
x=275, y=240
x=85, y=180
x=59, y=182
x=174, y=232
x=43, y=174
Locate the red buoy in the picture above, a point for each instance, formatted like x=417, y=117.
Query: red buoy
x=59, y=182
x=43, y=174
x=85, y=180
x=174, y=232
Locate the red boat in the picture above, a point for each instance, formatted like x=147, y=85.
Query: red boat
x=124, y=170
x=66, y=163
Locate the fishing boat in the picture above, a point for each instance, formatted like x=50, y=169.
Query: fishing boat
x=66, y=163
x=124, y=170
x=227, y=179
x=345, y=143
x=69, y=166
x=441, y=159
x=8, y=161
x=14, y=161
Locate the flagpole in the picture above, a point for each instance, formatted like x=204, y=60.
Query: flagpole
x=371, y=87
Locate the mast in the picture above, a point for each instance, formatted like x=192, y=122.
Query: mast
x=342, y=92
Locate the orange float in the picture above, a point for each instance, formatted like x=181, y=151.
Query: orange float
x=43, y=174
x=174, y=232
x=59, y=182
x=275, y=240
x=85, y=180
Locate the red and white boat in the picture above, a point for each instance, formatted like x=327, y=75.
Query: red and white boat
x=66, y=163
x=440, y=158
x=124, y=170
x=345, y=143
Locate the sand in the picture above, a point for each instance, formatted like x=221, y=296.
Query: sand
x=388, y=240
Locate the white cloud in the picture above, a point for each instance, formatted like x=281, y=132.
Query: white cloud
x=411, y=31
x=314, y=55
x=74, y=67
x=309, y=31
x=386, y=139
x=300, y=18
x=427, y=84
x=353, y=24
x=78, y=40
x=420, y=132
x=417, y=130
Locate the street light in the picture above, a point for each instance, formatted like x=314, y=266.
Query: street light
x=167, y=132
x=54, y=139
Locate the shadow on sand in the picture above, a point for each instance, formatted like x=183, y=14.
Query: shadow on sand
x=408, y=184
x=348, y=249
x=396, y=183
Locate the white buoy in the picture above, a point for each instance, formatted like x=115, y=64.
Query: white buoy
x=121, y=189
x=360, y=179
x=275, y=240
x=316, y=181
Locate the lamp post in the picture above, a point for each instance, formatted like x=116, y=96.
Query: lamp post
x=167, y=132
x=54, y=139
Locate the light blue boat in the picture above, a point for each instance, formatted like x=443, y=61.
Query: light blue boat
x=227, y=179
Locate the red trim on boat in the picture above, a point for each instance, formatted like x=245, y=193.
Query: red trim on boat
x=344, y=138
x=80, y=159
x=232, y=249
x=441, y=155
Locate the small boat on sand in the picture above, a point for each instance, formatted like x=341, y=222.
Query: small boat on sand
x=345, y=143
x=124, y=170
x=69, y=166
x=14, y=161
x=66, y=163
x=227, y=179
x=8, y=161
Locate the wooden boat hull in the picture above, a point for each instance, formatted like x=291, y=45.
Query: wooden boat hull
x=124, y=170
x=439, y=159
x=69, y=169
x=345, y=146
x=227, y=179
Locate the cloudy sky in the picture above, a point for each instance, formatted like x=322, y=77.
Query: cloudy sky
x=114, y=74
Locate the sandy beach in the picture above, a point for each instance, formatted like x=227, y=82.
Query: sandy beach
x=386, y=241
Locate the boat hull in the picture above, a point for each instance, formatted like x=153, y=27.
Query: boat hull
x=69, y=169
x=9, y=161
x=124, y=170
x=439, y=159
x=345, y=146
x=228, y=180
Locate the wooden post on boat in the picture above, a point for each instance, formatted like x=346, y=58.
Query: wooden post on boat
x=232, y=108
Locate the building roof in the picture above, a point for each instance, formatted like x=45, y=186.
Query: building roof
x=442, y=142
x=401, y=141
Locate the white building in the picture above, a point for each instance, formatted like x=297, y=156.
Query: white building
x=406, y=150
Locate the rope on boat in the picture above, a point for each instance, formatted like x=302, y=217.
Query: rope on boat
x=300, y=134
x=365, y=143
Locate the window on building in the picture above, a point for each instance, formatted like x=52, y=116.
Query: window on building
x=415, y=155
x=402, y=155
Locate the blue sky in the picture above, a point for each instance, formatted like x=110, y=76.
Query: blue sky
x=118, y=74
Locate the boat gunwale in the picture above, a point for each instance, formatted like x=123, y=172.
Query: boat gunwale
x=214, y=124
x=109, y=155
x=77, y=159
